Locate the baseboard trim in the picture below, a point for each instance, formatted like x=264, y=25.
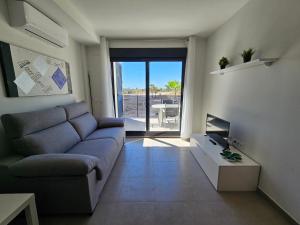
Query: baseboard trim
x=284, y=213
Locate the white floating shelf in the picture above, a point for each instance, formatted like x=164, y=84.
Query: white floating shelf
x=257, y=62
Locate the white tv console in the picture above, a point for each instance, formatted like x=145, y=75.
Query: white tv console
x=224, y=175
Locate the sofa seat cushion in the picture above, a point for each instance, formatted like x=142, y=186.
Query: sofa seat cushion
x=115, y=133
x=104, y=149
x=84, y=125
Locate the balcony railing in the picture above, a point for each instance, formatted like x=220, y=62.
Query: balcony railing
x=134, y=111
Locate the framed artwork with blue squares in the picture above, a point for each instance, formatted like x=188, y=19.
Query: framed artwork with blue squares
x=29, y=73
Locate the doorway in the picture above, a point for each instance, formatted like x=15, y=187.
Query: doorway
x=148, y=95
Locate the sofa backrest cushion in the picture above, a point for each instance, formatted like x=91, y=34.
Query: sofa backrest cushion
x=75, y=109
x=56, y=139
x=20, y=124
x=84, y=125
x=39, y=132
x=82, y=120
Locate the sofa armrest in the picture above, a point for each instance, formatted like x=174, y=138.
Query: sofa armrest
x=110, y=122
x=55, y=165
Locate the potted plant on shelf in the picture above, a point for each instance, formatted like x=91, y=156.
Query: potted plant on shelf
x=247, y=55
x=223, y=62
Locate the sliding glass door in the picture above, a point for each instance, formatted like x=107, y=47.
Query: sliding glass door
x=165, y=84
x=130, y=94
x=148, y=86
x=148, y=95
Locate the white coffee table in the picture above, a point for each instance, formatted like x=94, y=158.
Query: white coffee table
x=12, y=204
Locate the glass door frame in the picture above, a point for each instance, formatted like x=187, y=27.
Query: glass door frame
x=147, y=61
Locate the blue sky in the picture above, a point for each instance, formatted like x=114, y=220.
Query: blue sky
x=160, y=73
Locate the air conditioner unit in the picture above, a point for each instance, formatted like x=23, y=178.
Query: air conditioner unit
x=30, y=20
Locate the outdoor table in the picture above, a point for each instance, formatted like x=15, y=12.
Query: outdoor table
x=160, y=108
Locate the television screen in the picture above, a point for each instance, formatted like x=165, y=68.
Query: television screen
x=217, y=126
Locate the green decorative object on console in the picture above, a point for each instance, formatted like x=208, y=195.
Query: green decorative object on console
x=231, y=156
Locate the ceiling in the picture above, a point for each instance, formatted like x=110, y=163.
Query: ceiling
x=156, y=18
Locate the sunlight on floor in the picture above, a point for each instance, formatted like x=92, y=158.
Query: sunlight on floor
x=160, y=142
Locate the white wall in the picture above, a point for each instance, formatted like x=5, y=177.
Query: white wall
x=71, y=54
x=262, y=103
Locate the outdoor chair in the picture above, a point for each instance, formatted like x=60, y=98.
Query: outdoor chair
x=168, y=101
x=171, y=116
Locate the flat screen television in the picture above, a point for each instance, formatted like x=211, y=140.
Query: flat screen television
x=217, y=129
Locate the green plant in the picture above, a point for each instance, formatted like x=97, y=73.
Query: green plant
x=173, y=85
x=247, y=55
x=223, y=62
x=233, y=157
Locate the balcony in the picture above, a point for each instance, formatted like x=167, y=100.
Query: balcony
x=164, y=112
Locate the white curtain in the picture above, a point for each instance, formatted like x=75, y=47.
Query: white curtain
x=103, y=95
x=188, y=93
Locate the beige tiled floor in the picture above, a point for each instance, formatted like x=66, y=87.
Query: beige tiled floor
x=158, y=182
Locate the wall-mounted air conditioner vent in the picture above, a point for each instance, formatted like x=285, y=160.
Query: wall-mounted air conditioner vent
x=30, y=20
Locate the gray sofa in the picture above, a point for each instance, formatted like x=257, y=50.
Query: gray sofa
x=67, y=156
